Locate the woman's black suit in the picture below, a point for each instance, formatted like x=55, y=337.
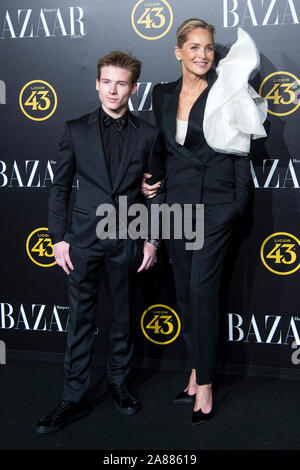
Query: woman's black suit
x=195, y=173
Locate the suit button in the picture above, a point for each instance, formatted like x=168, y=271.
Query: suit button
x=202, y=168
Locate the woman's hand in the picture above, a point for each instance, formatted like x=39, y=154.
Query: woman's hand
x=149, y=190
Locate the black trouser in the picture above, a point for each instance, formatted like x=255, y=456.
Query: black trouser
x=117, y=260
x=197, y=279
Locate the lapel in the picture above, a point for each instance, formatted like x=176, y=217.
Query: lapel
x=169, y=110
x=95, y=141
x=132, y=139
x=195, y=125
x=169, y=113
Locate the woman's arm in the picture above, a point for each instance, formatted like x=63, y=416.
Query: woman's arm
x=156, y=100
x=156, y=166
x=242, y=181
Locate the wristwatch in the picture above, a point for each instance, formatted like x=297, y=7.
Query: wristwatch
x=156, y=243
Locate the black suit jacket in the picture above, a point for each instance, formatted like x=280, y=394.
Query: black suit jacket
x=81, y=155
x=194, y=172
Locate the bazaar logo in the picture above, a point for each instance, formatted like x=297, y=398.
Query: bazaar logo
x=280, y=253
x=281, y=90
x=39, y=248
x=259, y=13
x=152, y=20
x=45, y=22
x=160, y=324
x=274, y=174
x=141, y=100
x=38, y=100
x=34, y=317
x=268, y=329
x=28, y=173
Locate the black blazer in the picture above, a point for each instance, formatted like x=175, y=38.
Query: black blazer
x=194, y=172
x=81, y=155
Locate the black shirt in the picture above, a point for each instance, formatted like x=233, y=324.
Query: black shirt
x=113, y=133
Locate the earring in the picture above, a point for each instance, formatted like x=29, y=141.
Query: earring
x=178, y=58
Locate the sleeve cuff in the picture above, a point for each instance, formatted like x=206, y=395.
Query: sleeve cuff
x=56, y=237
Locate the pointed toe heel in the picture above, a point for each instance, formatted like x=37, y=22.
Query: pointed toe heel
x=198, y=417
x=185, y=398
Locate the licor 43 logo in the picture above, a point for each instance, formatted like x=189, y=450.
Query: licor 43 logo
x=281, y=89
x=160, y=324
x=152, y=20
x=39, y=248
x=280, y=253
x=38, y=100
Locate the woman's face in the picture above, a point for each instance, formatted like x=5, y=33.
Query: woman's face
x=197, y=53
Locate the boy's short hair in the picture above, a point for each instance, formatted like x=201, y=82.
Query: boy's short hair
x=123, y=60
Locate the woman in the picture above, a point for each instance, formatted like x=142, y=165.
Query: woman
x=195, y=172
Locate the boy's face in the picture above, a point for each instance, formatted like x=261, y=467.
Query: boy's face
x=115, y=88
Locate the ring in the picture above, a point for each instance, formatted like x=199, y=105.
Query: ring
x=146, y=194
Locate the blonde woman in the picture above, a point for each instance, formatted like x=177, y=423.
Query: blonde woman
x=195, y=172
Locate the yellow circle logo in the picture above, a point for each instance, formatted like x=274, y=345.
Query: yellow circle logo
x=160, y=324
x=38, y=100
x=281, y=89
x=280, y=253
x=39, y=248
x=152, y=20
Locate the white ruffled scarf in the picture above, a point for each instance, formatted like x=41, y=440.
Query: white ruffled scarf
x=234, y=112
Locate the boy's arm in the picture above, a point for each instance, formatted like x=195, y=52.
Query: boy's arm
x=61, y=188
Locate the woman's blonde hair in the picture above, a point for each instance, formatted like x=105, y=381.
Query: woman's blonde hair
x=189, y=25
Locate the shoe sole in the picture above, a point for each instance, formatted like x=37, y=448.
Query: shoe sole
x=45, y=430
x=201, y=422
x=184, y=401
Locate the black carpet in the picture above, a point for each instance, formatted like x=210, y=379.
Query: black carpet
x=253, y=413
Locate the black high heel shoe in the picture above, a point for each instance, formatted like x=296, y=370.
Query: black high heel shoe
x=185, y=398
x=198, y=417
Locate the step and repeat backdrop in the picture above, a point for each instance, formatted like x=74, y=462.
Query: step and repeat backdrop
x=49, y=51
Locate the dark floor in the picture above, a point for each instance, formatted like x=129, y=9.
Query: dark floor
x=253, y=413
